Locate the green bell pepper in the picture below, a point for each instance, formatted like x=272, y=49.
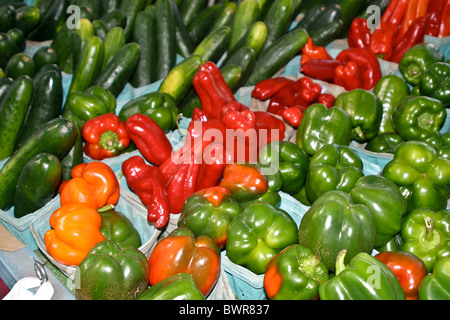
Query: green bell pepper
x=435, y=82
x=365, y=110
x=436, y=286
x=417, y=60
x=258, y=234
x=161, y=107
x=86, y=105
x=364, y=278
x=390, y=89
x=416, y=117
x=118, y=228
x=386, y=202
x=111, y=273
x=294, y=274
x=426, y=233
x=209, y=212
x=321, y=126
x=384, y=143
x=333, y=223
x=290, y=160
x=180, y=286
x=422, y=176
x=441, y=142
x=332, y=167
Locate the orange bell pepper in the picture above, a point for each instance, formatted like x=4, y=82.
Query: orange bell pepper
x=75, y=231
x=94, y=183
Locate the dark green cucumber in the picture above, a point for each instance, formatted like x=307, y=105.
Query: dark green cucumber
x=310, y=16
x=51, y=22
x=166, y=47
x=56, y=136
x=7, y=17
x=119, y=70
x=37, y=184
x=226, y=16
x=18, y=36
x=278, y=55
x=8, y=48
x=255, y=38
x=81, y=35
x=114, y=41
x=144, y=35
x=20, y=64
x=214, y=45
x=43, y=6
x=73, y=158
x=332, y=12
x=100, y=29
x=200, y=27
x=189, y=9
x=45, y=104
x=27, y=18
x=179, y=80
x=324, y=35
x=93, y=6
x=5, y=82
x=245, y=58
x=114, y=18
x=246, y=14
x=44, y=56
x=14, y=106
x=110, y=5
x=63, y=45
x=278, y=20
x=185, y=44
x=130, y=10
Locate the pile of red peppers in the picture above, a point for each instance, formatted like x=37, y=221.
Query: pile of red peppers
x=403, y=25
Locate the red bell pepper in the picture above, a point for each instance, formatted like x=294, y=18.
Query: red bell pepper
x=147, y=182
x=327, y=99
x=444, y=28
x=414, y=10
x=311, y=51
x=149, y=138
x=394, y=13
x=348, y=76
x=321, y=69
x=359, y=34
x=104, y=136
x=265, y=89
x=238, y=116
x=274, y=128
x=434, y=14
x=382, y=40
x=294, y=115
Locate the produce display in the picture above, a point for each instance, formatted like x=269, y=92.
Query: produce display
x=240, y=130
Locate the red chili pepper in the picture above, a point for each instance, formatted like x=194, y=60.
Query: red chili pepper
x=394, y=13
x=294, y=115
x=149, y=138
x=265, y=89
x=413, y=36
x=444, y=29
x=327, y=99
x=147, y=182
x=367, y=62
x=348, y=76
x=382, y=40
x=104, y=136
x=414, y=10
x=359, y=34
x=434, y=13
x=311, y=51
x=321, y=69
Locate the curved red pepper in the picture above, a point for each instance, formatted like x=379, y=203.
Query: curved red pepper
x=348, y=76
x=149, y=138
x=104, y=136
x=294, y=115
x=434, y=13
x=265, y=89
x=327, y=99
x=359, y=34
x=382, y=40
x=394, y=13
x=148, y=183
x=311, y=51
x=444, y=28
x=321, y=69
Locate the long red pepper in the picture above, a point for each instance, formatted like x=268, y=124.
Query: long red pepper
x=321, y=69
x=415, y=9
x=394, y=13
x=444, y=29
x=434, y=13
x=266, y=88
x=414, y=35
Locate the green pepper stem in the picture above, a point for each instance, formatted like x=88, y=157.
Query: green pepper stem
x=109, y=140
x=340, y=265
x=429, y=225
x=106, y=208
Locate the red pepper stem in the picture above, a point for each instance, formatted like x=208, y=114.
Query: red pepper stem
x=109, y=140
x=340, y=264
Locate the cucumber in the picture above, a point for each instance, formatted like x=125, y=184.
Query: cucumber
x=214, y=45
x=45, y=104
x=114, y=40
x=37, y=184
x=5, y=82
x=88, y=66
x=324, y=35
x=8, y=48
x=179, y=80
x=7, y=17
x=51, y=22
x=143, y=34
x=114, y=18
x=310, y=17
x=278, y=20
x=245, y=58
x=119, y=70
x=166, y=47
x=18, y=36
x=226, y=16
x=255, y=38
x=44, y=56
x=185, y=44
x=200, y=27
x=20, y=64
x=331, y=13
x=232, y=74
x=27, y=18
x=63, y=45
x=110, y=5
x=14, y=106
x=189, y=9
x=81, y=35
x=100, y=29
x=246, y=14
x=56, y=136
x=130, y=10
x=277, y=55
x=73, y=158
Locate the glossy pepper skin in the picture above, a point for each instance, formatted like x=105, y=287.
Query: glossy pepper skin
x=258, y=234
x=321, y=69
x=384, y=143
x=104, y=136
x=365, y=110
x=359, y=34
x=335, y=222
x=321, y=126
x=416, y=117
x=385, y=201
x=435, y=82
x=266, y=88
x=332, y=167
x=408, y=269
x=75, y=230
x=422, y=176
x=311, y=51
x=180, y=286
x=348, y=76
x=426, y=234
x=118, y=228
x=294, y=274
x=159, y=106
x=435, y=286
x=417, y=60
x=441, y=142
x=94, y=183
x=182, y=252
x=290, y=160
x=209, y=212
x=356, y=281
x=110, y=272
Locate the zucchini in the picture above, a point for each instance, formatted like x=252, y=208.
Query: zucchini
x=214, y=45
x=51, y=22
x=189, y=9
x=324, y=35
x=8, y=48
x=185, y=44
x=14, y=106
x=119, y=70
x=166, y=47
x=246, y=14
x=278, y=20
x=7, y=17
x=44, y=56
x=56, y=136
x=200, y=27
x=114, y=40
x=277, y=55
x=46, y=102
x=245, y=58
x=37, y=184
x=130, y=10
x=179, y=80
x=27, y=18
